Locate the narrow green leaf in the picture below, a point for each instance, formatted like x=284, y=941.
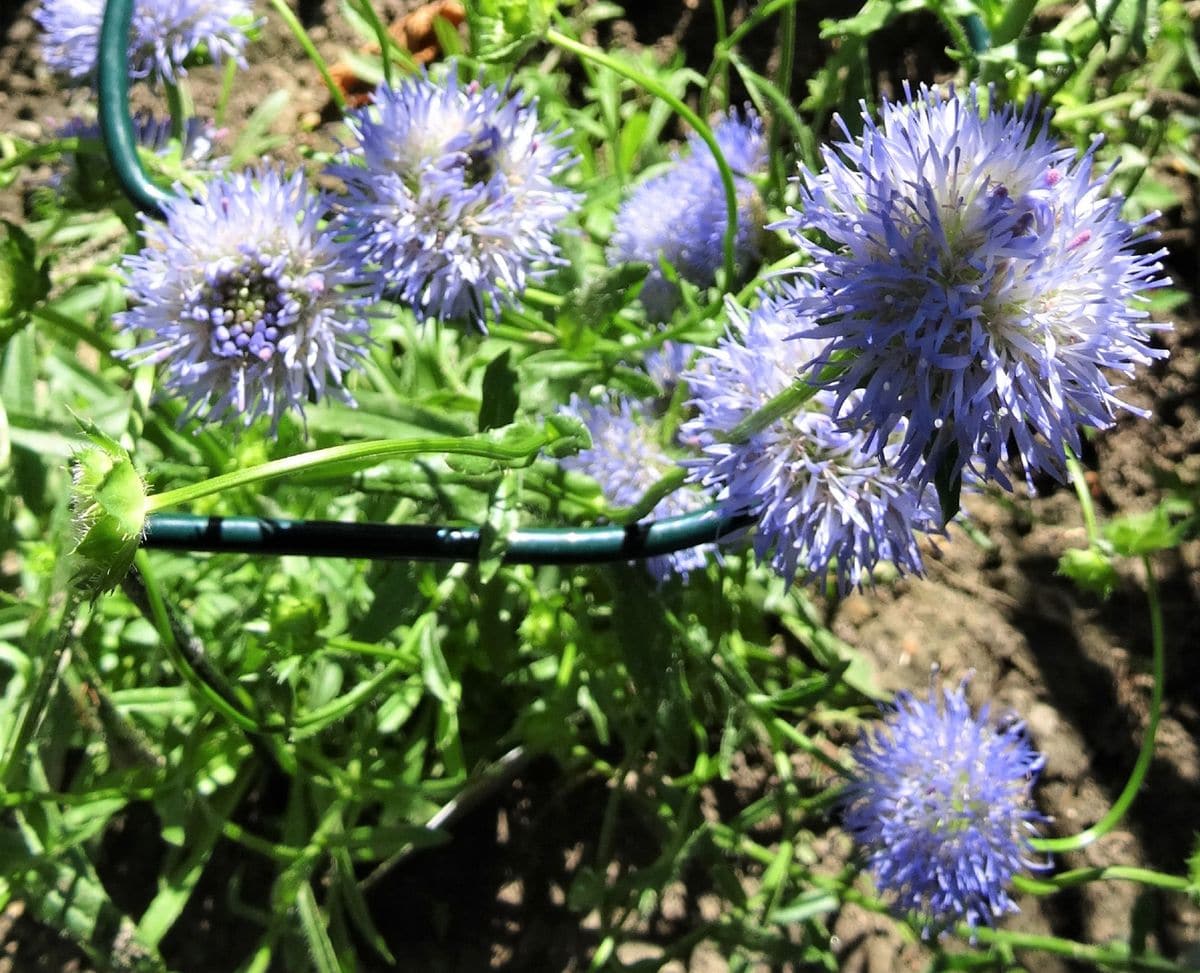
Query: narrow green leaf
x=499, y=398
x=313, y=925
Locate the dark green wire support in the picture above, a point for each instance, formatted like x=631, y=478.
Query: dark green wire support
x=252, y=535
x=410, y=542
x=116, y=127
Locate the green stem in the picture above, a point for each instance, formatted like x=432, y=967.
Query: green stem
x=683, y=111
x=1079, y=482
x=666, y=485
x=1114, y=957
x=1146, y=754
x=80, y=332
x=1111, y=873
x=757, y=17
x=227, y=75
x=310, y=49
x=142, y=588
x=782, y=404
x=367, y=11
x=720, y=64
x=350, y=458
x=317, y=719
x=177, y=108
x=783, y=82
x=1016, y=15
x=805, y=743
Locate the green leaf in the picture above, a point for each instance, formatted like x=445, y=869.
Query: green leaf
x=1193, y=867
x=873, y=17
x=503, y=518
x=573, y=436
x=1135, y=19
x=1136, y=534
x=313, y=925
x=1090, y=568
x=23, y=281
x=811, y=905
x=499, y=398
x=254, y=140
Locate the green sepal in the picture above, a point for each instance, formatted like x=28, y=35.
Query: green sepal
x=1090, y=568
x=109, y=500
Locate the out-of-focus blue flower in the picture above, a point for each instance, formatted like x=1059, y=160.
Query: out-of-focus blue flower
x=680, y=214
x=626, y=459
x=666, y=365
x=154, y=134
x=162, y=35
x=983, y=287
x=822, y=499
x=943, y=808
x=451, y=203
x=247, y=300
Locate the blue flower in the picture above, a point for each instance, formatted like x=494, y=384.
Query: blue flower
x=451, y=205
x=943, y=808
x=246, y=299
x=981, y=285
x=626, y=459
x=822, y=499
x=163, y=33
x=666, y=364
x=154, y=134
x=680, y=214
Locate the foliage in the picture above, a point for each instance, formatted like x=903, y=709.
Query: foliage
x=310, y=722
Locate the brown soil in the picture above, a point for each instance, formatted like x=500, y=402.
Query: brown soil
x=1074, y=666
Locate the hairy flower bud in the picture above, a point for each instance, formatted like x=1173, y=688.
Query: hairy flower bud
x=109, y=501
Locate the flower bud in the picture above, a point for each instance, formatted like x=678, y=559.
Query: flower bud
x=109, y=501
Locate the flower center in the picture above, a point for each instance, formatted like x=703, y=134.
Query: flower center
x=250, y=305
x=480, y=164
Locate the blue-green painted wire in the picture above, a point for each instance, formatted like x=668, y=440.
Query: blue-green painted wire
x=116, y=127
x=537, y=545
x=250, y=535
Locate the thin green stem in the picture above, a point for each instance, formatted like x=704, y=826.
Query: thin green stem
x=720, y=64
x=683, y=111
x=80, y=332
x=177, y=108
x=350, y=458
x=367, y=11
x=141, y=587
x=310, y=49
x=1146, y=754
x=1088, y=509
x=1111, y=873
x=1108, y=957
x=782, y=404
x=227, y=75
x=1016, y=15
x=666, y=485
x=805, y=743
x=783, y=82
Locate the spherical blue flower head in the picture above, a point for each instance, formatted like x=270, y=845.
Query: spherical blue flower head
x=822, y=498
x=982, y=284
x=246, y=299
x=162, y=35
x=680, y=214
x=943, y=808
x=626, y=459
x=451, y=202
